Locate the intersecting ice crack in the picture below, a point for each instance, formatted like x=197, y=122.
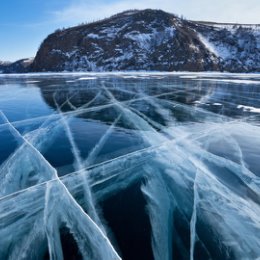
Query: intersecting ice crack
x=180, y=177
x=79, y=166
x=79, y=111
x=155, y=138
x=56, y=210
x=194, y=215
x=98, y=147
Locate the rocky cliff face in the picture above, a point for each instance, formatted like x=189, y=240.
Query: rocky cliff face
x=151, y=40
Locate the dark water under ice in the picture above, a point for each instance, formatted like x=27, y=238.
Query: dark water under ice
x=133, y=166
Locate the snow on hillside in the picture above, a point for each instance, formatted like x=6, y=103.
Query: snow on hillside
x=237, y=46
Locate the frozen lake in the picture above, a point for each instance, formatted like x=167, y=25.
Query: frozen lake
x=137, y=166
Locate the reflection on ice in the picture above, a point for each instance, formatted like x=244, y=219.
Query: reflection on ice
x=187, y=155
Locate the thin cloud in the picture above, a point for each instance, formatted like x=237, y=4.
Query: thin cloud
x=222, y=11
x=87, y=12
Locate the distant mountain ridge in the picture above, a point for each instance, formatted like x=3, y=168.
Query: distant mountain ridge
x=151, y=40
x=19, y=66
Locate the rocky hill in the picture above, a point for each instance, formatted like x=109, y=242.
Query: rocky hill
x=151, y=40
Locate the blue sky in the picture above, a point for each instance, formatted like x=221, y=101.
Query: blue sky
x=25, y=23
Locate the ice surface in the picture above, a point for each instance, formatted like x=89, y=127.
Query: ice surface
x=198, y=169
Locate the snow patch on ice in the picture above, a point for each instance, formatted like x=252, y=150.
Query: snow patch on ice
x=87, y=78
x=32, y=81
x=236, y=81
x=188, y=77
x=249, y=109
